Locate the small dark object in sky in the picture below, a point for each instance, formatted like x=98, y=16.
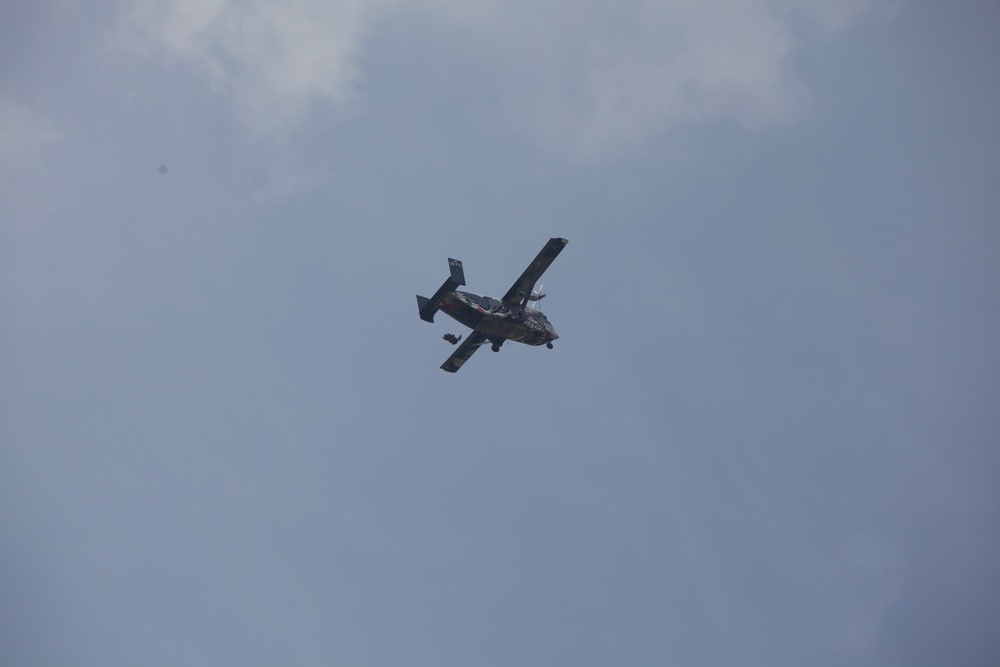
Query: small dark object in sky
x=163, y=168
x=451, y=338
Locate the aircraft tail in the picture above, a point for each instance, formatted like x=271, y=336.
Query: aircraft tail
x=428, y=307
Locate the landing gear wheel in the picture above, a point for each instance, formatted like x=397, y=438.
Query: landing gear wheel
x=548, y=345
x=495, y=348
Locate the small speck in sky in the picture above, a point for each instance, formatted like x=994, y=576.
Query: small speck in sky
x=163, y=168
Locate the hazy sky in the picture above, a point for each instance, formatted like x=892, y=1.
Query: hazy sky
x=769, y=434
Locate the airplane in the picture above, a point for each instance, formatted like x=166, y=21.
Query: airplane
x=494, y=320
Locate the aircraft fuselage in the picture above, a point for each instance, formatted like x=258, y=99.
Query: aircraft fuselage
x=497, y=319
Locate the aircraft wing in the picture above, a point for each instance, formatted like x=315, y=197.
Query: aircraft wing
x=464, y=351
x=521, y=290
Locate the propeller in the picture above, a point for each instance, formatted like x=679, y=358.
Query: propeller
x=537, y=295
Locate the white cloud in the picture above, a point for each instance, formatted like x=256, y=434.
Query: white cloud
x=586, y=79
x=24, y=135
x=272, y=58
x=589, y=79
x=594, y=82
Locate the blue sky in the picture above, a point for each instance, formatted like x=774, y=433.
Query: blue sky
x=767, y=434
